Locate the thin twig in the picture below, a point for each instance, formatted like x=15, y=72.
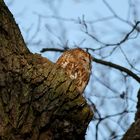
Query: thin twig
x=52, y=49
x=126, y=37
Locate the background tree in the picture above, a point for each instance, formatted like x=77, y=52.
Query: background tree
x=109, y=30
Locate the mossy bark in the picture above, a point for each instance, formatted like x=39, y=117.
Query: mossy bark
x=37, y=100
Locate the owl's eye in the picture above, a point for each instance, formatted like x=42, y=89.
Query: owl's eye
x=83, y=59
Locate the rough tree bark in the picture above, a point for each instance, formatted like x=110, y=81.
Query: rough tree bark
x=37, y=100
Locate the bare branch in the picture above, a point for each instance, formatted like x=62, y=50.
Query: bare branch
x=118, y=67
x=126, y=37
x=52, y=49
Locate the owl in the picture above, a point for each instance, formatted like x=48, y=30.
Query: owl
x=77, y=64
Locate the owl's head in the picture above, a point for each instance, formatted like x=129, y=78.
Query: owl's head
x=77, y=64
x=82, y=56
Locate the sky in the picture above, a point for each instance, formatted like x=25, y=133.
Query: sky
x=53, y=23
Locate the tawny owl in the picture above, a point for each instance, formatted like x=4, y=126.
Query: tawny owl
x=77, y=64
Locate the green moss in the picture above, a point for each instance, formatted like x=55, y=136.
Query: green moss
x=1, y=1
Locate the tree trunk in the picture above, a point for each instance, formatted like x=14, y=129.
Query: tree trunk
x=133, y=132
x=37, y=100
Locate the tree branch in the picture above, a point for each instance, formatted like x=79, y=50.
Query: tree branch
x=52, y=49
x=118, y=67
x=126, y=37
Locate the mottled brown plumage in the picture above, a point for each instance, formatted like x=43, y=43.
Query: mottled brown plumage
x=77, y=64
